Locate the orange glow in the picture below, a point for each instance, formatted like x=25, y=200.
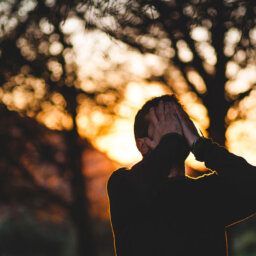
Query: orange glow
x=54, y=118
x=114, y=135
x=22, y=91
x=232, y=37
x=200, y=34
x=241, y=139
x=118, y=141
x=196, y=79
x=243, y=79
x=184, y=51
x=97, y=167
x=120, y=145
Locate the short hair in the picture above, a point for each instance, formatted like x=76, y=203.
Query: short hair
x=140, y=124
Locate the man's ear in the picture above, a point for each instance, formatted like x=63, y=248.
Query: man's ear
x=142, y=146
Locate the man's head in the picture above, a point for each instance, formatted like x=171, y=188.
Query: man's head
x=143, y=127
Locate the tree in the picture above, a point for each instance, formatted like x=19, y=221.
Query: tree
x=35, y=190
x=206, y=38
x=38, y=77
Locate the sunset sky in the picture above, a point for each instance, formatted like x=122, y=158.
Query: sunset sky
x=119, y=143
x=103, y=60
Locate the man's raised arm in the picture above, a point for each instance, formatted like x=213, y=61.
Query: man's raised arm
x=237, y=177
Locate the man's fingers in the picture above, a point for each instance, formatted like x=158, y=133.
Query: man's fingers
x=188, y=126
x=160, y=111
x=168, y=109
x=172, y=111
x=184, y=117
x=150, y=143
x=152, y=116
x=181, y=117
x=181, y=113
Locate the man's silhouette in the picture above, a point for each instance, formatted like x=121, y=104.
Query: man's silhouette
x=156, y=210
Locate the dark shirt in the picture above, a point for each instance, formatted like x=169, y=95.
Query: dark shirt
x=154, y=215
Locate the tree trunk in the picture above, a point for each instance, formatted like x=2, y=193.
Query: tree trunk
x=217, y=128
x=215, y=101
x=217, y=107
x=80, y=206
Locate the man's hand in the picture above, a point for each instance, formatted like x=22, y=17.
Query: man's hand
x=188, y=128
x=163, y=119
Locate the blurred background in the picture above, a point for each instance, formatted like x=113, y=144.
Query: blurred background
x=72, y=76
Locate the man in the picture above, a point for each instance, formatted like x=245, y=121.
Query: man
x=156, y=210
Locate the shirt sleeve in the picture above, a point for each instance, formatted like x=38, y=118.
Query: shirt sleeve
x=237, y=180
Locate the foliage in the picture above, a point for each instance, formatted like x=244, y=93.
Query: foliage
x=38, y=79
x=209, y=42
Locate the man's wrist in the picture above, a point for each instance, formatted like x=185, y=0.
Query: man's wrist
x=200, y=148
x=194, y=141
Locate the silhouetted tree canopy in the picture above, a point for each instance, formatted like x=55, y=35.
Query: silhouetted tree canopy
x=208, y=37
x=38, y=76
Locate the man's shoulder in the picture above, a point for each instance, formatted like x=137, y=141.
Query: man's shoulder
x=122, y=177
x=123, y=172
x=116, y=177
x=118, y=173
